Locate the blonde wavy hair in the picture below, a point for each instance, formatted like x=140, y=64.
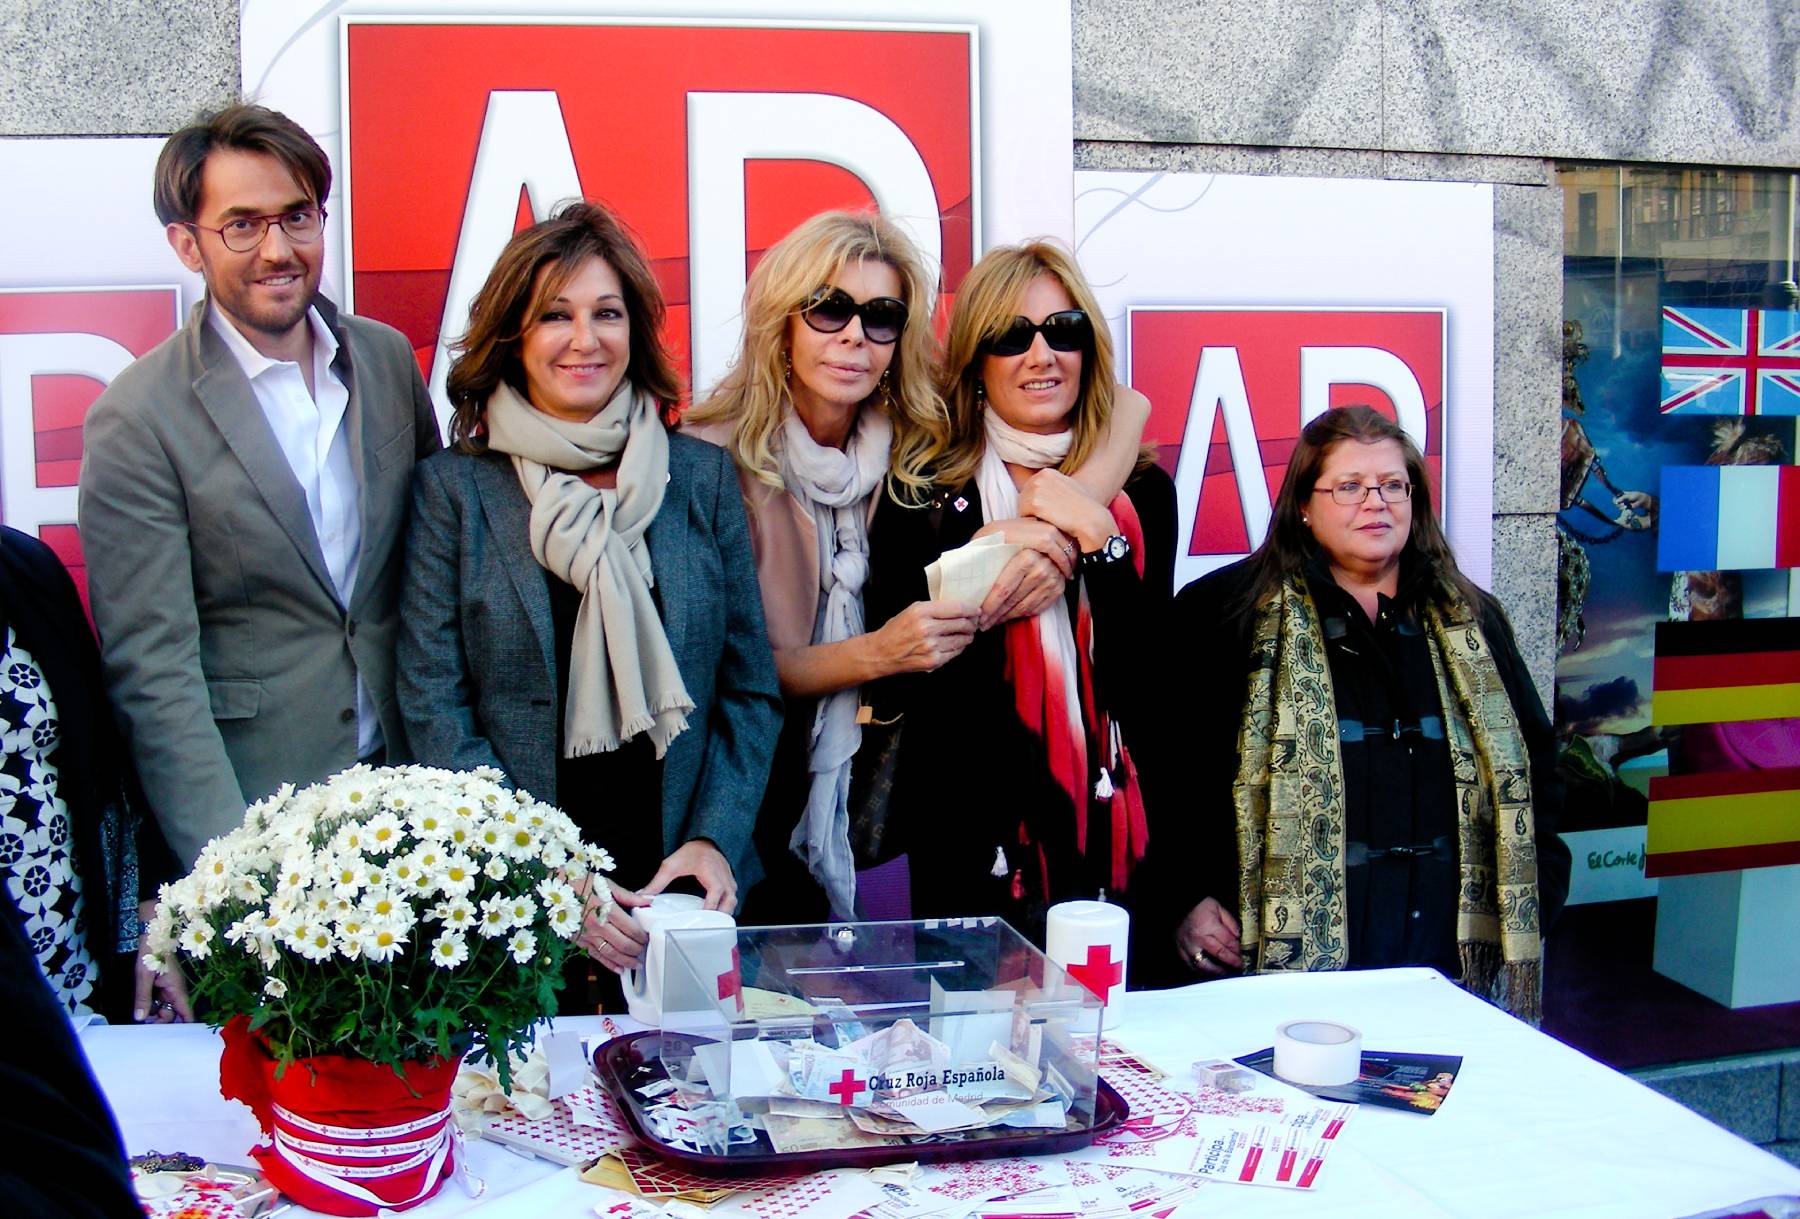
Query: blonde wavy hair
x=754, y=394
x=987, y=301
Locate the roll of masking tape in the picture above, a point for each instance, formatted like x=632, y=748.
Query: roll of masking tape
x=1317, y=1053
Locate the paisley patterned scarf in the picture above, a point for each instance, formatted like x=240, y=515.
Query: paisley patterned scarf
x=1289, y=800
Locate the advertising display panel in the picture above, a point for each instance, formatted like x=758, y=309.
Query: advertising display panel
x=712, y=134
x=87, y=284
x=1245, y=307
x=451, y=124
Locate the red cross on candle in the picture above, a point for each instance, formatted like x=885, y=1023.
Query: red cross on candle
x=731, y=985
x=1099, y=973
x=846, y=1088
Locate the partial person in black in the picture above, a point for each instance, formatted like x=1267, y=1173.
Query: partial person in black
x=1017, y=785
x=1366, y=765
x=80, y=855
x=63, y=1155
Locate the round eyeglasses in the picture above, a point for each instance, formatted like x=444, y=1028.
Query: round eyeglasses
x=241, y=234
x=1392, y=491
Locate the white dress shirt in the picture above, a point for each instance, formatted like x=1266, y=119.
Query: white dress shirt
x=310, y=429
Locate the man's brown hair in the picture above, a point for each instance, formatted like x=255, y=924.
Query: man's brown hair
x=243, y=127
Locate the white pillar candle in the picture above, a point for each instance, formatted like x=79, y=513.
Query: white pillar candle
x=1088, y=940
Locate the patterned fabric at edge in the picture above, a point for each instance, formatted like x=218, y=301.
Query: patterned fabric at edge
x=34, y=828
x=1289, y=801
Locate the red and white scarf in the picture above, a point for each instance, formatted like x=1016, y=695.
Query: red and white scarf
x=1050, y=665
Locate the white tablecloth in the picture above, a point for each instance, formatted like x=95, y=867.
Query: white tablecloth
x=1532, y=1127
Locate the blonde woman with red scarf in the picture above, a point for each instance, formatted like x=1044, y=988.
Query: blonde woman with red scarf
x=1016, y=786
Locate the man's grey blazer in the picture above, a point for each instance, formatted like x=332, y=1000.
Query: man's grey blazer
x=477, y=653
x=231, y=663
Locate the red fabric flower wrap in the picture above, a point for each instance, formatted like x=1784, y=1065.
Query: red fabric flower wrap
x=346, y=1136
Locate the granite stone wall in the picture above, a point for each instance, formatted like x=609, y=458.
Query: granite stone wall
x=1455, y=90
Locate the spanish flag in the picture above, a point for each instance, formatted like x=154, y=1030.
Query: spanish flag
x=1725, y=671
x=1723, y=822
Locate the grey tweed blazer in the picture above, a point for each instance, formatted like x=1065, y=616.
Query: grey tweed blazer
x=476, y=664
x=231, y=661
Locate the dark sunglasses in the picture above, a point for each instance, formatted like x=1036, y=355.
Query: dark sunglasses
x=829, y=310
x=1069, y=330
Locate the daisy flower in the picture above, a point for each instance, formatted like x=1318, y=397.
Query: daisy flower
x=495, y=919
x=384, y=833
x=384, y=943
x=196, y=940
x=449, y=950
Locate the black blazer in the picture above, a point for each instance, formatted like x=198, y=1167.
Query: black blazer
x=970, y=770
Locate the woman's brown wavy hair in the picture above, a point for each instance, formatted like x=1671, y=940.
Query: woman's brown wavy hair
x=507, y=305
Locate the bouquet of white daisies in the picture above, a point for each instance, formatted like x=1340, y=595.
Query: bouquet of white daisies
x=396, y=914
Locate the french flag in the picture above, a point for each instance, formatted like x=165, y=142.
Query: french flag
x=1729, y=518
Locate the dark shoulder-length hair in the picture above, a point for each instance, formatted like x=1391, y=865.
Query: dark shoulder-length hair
x=511, y=300
x=1289, y=545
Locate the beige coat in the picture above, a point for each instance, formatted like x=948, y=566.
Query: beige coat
x=785, y=541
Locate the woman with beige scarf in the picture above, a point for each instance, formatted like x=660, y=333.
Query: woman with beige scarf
x=579, y=608
x=829, y=409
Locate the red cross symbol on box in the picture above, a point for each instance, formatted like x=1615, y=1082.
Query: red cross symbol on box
x=1099, y=973
x=846, y=1088
x=731, y=985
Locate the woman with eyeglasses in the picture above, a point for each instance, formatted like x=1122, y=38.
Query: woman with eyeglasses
x=579, y=608
x=1367, y=774
x=831, y=407
x=1017, y=781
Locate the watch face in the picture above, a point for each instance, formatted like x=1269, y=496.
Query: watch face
x=1116, y=547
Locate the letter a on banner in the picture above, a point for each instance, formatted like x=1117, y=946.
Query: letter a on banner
x=1218, y=386
x=727, y=129
x=524, y=143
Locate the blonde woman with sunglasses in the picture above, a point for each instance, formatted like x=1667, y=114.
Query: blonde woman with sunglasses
x=831, y=407
x=1039, y=711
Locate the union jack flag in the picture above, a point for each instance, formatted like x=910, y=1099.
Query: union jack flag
x=1730, y=361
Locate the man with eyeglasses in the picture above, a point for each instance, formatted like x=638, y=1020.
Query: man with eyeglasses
x=244, y=494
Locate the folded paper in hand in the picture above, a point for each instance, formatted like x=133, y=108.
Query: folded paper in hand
x=968, y=572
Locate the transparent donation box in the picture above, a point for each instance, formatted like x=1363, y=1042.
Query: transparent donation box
x=862, y=1043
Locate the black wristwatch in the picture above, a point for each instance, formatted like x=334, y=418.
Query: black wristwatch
x=1111, y=551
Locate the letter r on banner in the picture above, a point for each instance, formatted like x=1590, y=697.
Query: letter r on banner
x=727, y=129
x=1323, y=367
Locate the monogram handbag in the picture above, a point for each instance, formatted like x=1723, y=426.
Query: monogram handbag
x=872, y=774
